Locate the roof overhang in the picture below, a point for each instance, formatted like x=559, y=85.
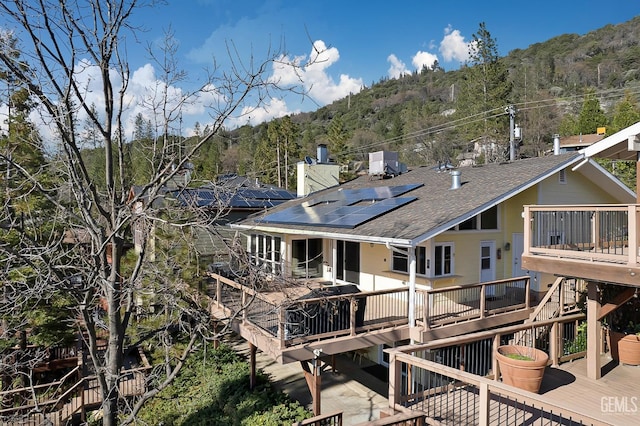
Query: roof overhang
x=616, y=146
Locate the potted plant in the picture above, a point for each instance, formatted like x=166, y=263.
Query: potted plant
x=522, y=366
x=625, y=344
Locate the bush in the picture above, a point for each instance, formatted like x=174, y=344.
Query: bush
x=214, y=389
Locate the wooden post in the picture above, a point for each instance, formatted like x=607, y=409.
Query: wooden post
x=495, y=367
x=353, y=307
x=483, y=407
x=594, y=332
x=527, y=293
x=483, y=301
x=554, y=344
x=426, y=307
x=395, y=381
x=313, y=383
x=218, y=291
x=633, y=234
x=252, y=365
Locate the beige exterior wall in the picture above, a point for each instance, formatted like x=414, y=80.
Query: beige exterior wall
x=375, y=259
x=576, y=190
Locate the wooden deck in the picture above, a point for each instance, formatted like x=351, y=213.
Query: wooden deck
x=290, y=323
x=614, y=398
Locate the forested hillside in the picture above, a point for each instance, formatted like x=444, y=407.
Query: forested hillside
x=570, y=84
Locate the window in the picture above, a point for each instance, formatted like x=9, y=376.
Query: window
x=443, y=260
x=487, y=220
x=306, y=258
x=400, y=260
x=265, y=252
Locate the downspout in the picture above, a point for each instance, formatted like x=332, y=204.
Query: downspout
x=334, y=259
x=412, y=280
x=412, y=286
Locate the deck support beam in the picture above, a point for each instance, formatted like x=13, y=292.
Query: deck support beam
x=252, y=365
x=594, y=332
x=313, y=379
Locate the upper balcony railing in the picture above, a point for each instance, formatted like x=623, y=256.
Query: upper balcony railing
x=594, y=233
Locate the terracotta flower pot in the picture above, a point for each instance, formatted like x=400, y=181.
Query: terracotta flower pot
x=625, y=348
x=522, y=373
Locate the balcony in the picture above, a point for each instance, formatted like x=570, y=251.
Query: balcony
x=290, y=319
x=594, y=242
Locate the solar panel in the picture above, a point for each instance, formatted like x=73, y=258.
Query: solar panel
x=344, y=208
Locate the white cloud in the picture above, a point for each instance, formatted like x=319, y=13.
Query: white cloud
x=397, y=68
x=423, y=59
x=453, y=47
x=310, y=74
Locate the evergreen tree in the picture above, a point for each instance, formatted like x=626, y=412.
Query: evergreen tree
x=626, y=113
x=485, y=91
x=591, y=116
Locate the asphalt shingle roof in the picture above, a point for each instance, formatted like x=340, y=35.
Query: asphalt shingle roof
x=436, y=205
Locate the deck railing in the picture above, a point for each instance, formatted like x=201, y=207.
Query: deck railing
x=477, y=301
x=562, y=297
x=607, y=233
x=451, y=379
x=295, y=321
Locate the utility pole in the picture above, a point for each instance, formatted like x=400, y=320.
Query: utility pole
x=511, y=110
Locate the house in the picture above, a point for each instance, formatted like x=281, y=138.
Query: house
x=424, y=230
x=610, y=235
x=232, y=198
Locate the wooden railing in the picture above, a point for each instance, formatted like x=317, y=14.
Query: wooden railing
x=296, y=321
x=331, y=419
x=563, y=296
x=431, y=379
x=463, y=303
x=597, y=233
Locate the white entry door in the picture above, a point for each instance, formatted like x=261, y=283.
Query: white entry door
x=487, y=261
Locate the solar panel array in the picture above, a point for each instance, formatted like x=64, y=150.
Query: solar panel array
x=345, y=208
x=253, y=198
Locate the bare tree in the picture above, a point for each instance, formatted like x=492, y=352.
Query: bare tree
x=78, y=244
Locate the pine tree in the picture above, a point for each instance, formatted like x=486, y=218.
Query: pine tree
x=485, y=91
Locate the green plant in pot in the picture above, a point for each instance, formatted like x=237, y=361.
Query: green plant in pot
x=522, y=366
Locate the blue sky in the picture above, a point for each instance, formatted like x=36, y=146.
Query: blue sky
x=364, y=41
x=370, y=40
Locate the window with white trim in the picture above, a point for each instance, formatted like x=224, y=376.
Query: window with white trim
x=400, y=260
x=265, y=252
x=443, y=259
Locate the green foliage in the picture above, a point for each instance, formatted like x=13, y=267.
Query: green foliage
x=579, y=343
x=591, y=116
x=625, y=113
x=285, y=413
x=213, y=388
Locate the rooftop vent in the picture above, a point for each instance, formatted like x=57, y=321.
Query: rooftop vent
x=455, y=179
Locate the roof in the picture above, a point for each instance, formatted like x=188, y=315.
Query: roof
x=254, y=198
x=616, y=146
x=429, y=206
x=579, y=141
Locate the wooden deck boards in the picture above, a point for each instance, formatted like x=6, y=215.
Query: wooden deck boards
x=614, y=398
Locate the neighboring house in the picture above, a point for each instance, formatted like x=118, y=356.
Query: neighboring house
x=578, y=142
x=231, y=199
x=428, y=228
